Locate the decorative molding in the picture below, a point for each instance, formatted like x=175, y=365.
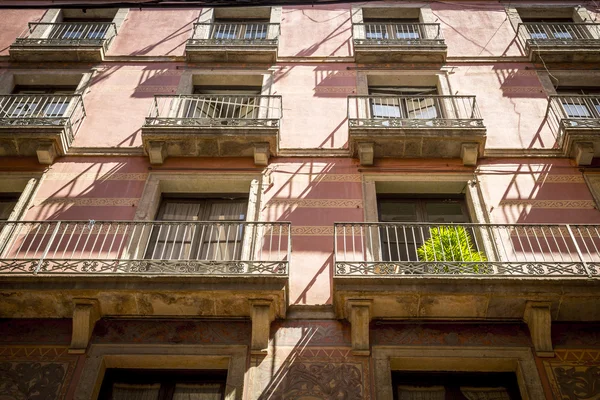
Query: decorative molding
x=336, y=89
x=539, y=319
x=570, y=204
x=560, y=179
x=578, y=356
x=93, y=202
x=522, y=89
x=96, y=176
x=317, y=203
x=574, y=374
x=312, y=230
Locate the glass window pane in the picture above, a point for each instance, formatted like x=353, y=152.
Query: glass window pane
x=206, y=391
x=445, y=212
x=125, y=391
x=397, y=211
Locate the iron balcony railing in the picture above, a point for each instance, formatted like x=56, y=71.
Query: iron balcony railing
x=215, y=111
x=427, y=111
x=393, y=34
x=574, y=111
x=146, y=248
x=552, y=34
x=467, y=249
x=235, y=34
x=66, y=34
x=60, y=110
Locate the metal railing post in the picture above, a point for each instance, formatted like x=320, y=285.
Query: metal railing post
x=585, y=267
x=335, y=231
x=50, y=241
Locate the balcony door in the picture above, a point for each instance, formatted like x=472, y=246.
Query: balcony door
x=8, y=201
x=235, y=29
x=222, y=103
x=38, y=102
x=400, y=243
x=404, y=103
x=550, y=28
x=80, y=29
x=580, y=102
x=396, y=28
x=215, y=234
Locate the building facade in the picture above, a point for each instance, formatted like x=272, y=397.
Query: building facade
x=378, y=200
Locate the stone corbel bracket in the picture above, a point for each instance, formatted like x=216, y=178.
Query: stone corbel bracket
x=359, y=314
x=86, y=312
x=262, y=314
x=539, y=319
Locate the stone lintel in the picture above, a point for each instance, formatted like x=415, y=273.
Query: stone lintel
x=46, y=153
x=584, y=152
x=359, y=315
x=85, y=314
x=157, y=152
x=366, y=153
x=261, y=154
x=262, y=314
x=469, y=153
x=539, y=320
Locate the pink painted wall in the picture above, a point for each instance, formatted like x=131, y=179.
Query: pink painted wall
x=476, y=29
x=118, y=100
x=14, y=22
x=325, y=31
x=154, y=32
x=512, y=102
x=314, y=104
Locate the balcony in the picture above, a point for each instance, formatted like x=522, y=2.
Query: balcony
x=247, y=42
x=42, y=125
x=467, y=271
x=213, y=126
x=64, y=41
x=143, y=268
x=415, y=127
x=560, y=42
x=576, y=121
x=391, y=43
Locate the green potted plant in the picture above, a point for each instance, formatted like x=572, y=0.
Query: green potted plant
x=452, y=243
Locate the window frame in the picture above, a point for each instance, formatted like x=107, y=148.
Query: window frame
x=170, y=356
x=460, y=359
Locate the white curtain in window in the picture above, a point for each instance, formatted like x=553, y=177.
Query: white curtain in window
x=485, y=393
x=421, y=393
x=124, y=391
x=205, y=391
x=224, y=242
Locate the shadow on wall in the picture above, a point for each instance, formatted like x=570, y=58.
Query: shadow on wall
x=313, y=362
x=519, y=82
x=96, y=192
x=334, y=82
x=312, y=197
x=185, y=30
x=338, y=31
x=545, y=193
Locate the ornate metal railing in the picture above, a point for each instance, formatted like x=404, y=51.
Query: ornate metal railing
x=392, y=34
x=558, y=34
x=235, y=34
x=413, y=112
x=145, y=248
x=467, y=249
x=66, y=34
x=60, y=110
x=215, y=111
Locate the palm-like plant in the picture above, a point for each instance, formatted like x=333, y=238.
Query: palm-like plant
x=451, y=243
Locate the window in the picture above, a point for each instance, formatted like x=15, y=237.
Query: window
x=223, y=102
x=127, y=384
x=247, y=29
x=403, y=29
x=402, y=243
x=580, y=102
x=404, y=103
x=8, y=201
x=81, y=28
x=455, y=386
x=550, y=28
x=38, y=102
x=204, y=240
